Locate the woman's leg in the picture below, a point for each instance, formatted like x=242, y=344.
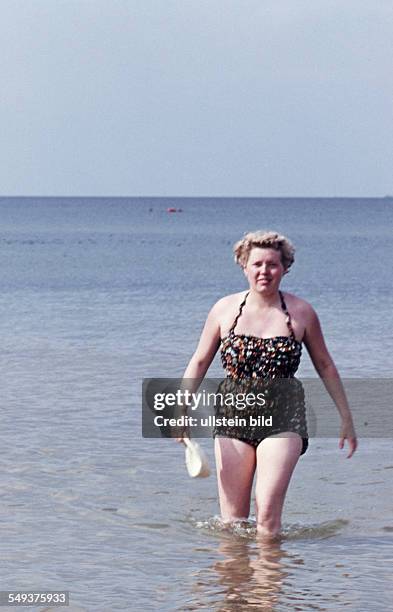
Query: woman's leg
x=235, y=464
x=276, y=460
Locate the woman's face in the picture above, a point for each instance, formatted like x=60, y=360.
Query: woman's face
x=264, y=270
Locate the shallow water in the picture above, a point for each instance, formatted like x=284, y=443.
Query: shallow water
x=97, y=294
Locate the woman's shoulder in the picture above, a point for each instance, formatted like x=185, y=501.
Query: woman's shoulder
x=298, y=305
x=230, y=301
x=225, y=309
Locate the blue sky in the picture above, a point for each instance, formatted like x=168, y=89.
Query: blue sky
x=196, y=97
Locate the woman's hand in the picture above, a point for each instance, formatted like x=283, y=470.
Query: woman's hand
x=347, y=432
x=184, y=433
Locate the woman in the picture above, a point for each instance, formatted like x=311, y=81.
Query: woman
x=260, y=332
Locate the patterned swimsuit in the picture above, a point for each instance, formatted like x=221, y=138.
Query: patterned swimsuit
x=255, y=364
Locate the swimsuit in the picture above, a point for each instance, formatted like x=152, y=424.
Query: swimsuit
x=268, y=366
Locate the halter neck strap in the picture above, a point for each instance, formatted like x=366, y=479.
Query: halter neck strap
x=232, y=330
x=283, y=306
x=288, y=316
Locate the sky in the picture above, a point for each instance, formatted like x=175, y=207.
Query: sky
x=254, y=98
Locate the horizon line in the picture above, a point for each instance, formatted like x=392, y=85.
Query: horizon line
x=201, y=197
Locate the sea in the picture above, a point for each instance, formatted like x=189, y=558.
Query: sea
x=97, y=294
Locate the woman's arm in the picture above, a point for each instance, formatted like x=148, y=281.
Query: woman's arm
x=203, y=356
x=324, y=365
x=207, y=346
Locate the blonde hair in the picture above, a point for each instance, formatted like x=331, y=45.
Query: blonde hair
x=265, y=240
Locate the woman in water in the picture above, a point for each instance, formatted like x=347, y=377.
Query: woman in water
x=260, y=334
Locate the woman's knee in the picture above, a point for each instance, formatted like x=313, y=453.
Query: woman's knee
x=234, y=496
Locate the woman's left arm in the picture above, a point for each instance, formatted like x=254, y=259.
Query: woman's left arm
x=324, y=365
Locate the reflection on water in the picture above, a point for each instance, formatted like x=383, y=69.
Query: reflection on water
x=249, y=573
x=250, y=576
x=249, y=580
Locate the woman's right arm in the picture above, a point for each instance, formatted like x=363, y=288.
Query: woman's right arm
x=203, y=356
x=207, y=346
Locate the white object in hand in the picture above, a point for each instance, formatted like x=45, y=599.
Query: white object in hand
x=196, y=460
